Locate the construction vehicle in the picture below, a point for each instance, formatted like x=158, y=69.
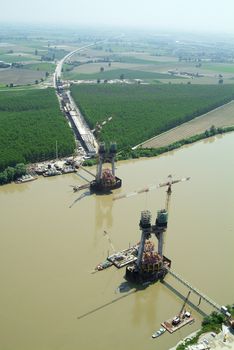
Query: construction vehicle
x=183, y=313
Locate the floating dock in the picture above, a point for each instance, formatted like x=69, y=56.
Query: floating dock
x=124, y=257
x=173, y=328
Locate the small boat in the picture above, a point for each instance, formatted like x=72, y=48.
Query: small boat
x=159, y=332
x=104, y=265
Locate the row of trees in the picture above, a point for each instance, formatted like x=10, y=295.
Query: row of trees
x=129, y=153
x=142, y=111
x=30, y=124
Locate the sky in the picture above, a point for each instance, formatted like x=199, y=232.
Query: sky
x=185, y=15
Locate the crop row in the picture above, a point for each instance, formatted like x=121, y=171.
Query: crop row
x=142, y=111
x=30, y=124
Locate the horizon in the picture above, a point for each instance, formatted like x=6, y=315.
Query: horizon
x=178, y=15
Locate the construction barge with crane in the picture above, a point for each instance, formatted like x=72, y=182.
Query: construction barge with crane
x=150, y=264
x=144, y=263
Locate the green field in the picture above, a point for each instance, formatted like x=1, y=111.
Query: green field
x=219, y=67
x=142, y=111
x=42, y=66
x=116, y=73
x=30, y=124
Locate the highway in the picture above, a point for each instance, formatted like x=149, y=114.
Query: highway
x=58, y=70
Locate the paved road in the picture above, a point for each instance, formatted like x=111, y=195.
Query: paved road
x=58, y=70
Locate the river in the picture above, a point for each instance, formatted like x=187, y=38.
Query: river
x=51, y=241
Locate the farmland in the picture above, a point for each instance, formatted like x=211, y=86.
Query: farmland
x=142, y=111
x=220, y=117
x=117, y=73
x=30, y=124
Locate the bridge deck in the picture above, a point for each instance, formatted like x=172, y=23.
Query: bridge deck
x=195, y=290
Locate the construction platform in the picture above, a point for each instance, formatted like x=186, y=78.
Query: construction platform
x=173, y=328
x=124, y=257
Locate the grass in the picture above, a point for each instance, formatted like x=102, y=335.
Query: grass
x=15, y=58
x=219, y=68
x=116, y=73
x=42, y=66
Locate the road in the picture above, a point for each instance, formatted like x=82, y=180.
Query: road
x=58, y=70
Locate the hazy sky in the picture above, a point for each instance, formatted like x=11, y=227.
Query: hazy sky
x=199, y=15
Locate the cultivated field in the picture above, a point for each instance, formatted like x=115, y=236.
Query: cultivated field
x=220, y=117
x=20, y=76
x=142, y=111
x=30, y=124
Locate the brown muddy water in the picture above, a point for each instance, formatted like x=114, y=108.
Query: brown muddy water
x=49, y=300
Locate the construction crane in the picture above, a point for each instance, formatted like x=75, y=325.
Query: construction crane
x=182, y=314
x=151, y=264
x=99, y=126
x=147, y=189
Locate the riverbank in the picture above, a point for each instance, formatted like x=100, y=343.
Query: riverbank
x=130, y=153
x=208, y=339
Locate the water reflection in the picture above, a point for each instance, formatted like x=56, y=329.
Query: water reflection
x=103, y=212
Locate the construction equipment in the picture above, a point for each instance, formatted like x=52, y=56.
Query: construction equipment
x=182, y=314
x=168, y=183
x=105, y=179
x=151, y=265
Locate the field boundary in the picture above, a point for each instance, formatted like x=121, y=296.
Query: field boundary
x=190, y=122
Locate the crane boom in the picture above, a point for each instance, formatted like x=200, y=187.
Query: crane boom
x=183, y=306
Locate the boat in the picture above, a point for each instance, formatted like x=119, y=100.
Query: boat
x=159, y=332
x=68, y=170
x=104, y=265
x=52, y=172
x=25, y=178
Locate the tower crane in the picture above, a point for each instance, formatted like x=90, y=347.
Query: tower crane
x=151, y=265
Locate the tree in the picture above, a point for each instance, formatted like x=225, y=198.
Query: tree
x=3, y=178
x=36, y=52
x=121, y=76
x=10, y=173
x=20, y=169
x=36, y=81
x=213, y=130
x=102, y=69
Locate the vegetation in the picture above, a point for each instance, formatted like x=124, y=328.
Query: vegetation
x=41, y=66
x=30, y=124
x=212, y=323
x=116, y=74
x=129, y=153
x=11, y=174
x=142, y=111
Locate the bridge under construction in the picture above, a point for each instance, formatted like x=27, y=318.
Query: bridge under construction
x=196, y=291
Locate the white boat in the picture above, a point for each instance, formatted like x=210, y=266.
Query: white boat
x=25, y=178
x=159, y=332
